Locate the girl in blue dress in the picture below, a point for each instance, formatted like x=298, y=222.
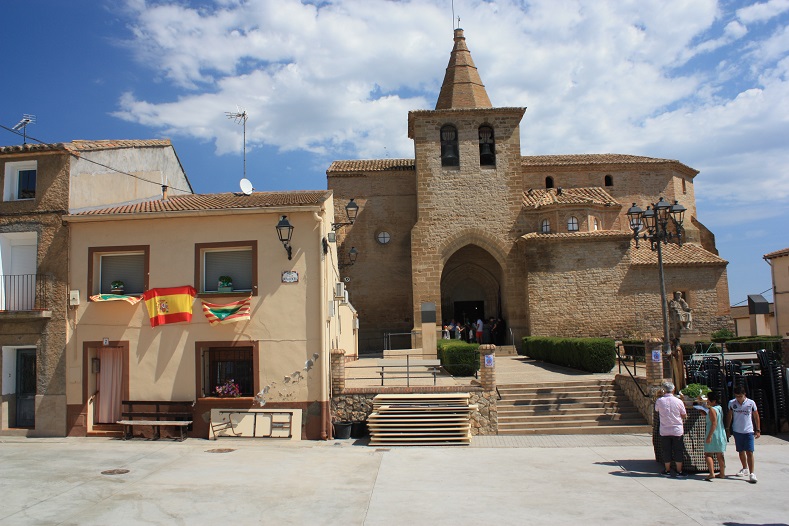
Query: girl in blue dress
x=715, y=443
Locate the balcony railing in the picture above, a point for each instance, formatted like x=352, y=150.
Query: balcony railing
x=24, y=292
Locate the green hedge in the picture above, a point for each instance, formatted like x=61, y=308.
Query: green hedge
x=458, y=357
x=596, y=355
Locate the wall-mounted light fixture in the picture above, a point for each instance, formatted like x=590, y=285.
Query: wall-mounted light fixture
x=285, y=233
x=351, y=211
x=352, y=255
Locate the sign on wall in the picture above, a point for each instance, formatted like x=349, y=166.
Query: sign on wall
x=290, y=276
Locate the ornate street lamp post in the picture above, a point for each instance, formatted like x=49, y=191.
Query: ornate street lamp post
x=652, y=225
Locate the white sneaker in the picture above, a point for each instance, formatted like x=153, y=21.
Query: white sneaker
x=742, y=473
x=752, y=478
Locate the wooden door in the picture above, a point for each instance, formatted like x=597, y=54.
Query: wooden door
x=26, y=388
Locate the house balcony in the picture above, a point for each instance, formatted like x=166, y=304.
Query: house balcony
x=25, y=296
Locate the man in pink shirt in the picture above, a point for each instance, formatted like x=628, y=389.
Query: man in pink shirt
x=672, y=415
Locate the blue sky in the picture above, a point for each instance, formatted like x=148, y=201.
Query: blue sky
x=702, y=81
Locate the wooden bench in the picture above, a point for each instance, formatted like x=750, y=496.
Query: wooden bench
x=165, y=413
x=409, y=368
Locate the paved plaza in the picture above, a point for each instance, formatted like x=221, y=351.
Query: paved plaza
x=498, y=480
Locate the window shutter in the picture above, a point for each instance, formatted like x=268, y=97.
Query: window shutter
x=234, y=263
x=128, y=268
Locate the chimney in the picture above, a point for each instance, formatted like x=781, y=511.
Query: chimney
x=164, y=192
x=559, y=191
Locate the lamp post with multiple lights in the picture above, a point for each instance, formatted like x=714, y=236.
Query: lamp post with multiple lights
x=660, y=223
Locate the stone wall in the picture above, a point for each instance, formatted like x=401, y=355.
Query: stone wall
x=645, y=405
x=587, y=287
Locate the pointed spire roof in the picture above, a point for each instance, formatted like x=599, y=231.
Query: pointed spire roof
x=462, y=87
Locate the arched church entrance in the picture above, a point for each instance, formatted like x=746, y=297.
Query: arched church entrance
x=471, y=285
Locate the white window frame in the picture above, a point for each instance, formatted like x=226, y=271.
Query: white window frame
x=573, y=225
x=11, y=180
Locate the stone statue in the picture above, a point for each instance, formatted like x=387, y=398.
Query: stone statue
x=680, y=317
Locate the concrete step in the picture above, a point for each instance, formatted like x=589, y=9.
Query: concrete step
x=506, y=350
x=569, y=399
x=557, y=389
x=597, y=430
x=561, y=420
x=564, y=410
x=571, y=383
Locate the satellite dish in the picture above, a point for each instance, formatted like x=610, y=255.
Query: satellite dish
x=246, y=186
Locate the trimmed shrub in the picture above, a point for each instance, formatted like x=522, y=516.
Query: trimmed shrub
x=459, y=358
x=596, y=355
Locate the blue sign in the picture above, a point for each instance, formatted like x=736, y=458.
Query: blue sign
x=656, y=356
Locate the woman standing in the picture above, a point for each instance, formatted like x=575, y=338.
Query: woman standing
x=715, y=444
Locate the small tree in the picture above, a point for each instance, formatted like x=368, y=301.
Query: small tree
x=721, y=335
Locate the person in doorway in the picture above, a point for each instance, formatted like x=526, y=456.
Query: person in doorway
x=480, y=326
x=743, y=422
x=715, y=442
x=672, y=415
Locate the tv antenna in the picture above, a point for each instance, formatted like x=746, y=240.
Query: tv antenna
x=22, y=125
x=240, y=117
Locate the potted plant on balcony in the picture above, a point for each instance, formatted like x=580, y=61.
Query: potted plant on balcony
x=116, y=287
x=229, y=389
x=225, y=284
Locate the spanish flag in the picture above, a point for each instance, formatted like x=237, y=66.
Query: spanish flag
x=169, y=305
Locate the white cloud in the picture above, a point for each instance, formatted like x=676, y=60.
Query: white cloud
x=763, y=11
x=664, y=78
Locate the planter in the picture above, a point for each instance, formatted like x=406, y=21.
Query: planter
x=359, y=430
x=116, y=291
x=226, y=289
x=342, y=430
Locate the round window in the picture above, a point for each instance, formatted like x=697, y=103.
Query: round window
x=383, y=237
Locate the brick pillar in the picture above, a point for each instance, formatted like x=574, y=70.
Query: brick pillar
x=654, y=367
x=487, y=366
x=337, y=371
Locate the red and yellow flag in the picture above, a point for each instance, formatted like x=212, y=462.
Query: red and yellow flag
x=169, y=305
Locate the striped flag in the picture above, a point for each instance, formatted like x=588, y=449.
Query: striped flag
x=228, y=312
x=134, y=300
x=169, y=305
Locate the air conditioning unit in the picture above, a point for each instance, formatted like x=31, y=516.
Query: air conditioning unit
x=331, y=310
x=345, y=297
x=339, y=291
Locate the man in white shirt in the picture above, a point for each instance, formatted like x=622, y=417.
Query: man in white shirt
x=672, y=415
x=742, y=421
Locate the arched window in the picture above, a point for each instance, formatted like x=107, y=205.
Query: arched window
x=549, y=182
x=449, y=146
x=609, y=181
x=487, y=147
x=596, y=224
x=572, y=224
x=545, y=226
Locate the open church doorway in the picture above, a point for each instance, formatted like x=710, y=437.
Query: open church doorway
x=469, y=311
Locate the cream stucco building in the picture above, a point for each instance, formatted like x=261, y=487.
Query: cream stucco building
x=190, y=241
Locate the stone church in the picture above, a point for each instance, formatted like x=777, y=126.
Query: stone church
x=541, y=241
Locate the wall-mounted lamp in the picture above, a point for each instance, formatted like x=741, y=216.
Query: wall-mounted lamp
x=284, y=233
x=351, y=211
x=352, y=255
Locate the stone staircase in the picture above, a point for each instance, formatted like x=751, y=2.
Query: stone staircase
x=567, y=408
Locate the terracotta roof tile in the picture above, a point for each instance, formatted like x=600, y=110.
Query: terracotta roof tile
x=564, y=236
x=595, y=158
x=674, y=255
x=777, y=254
x=541, y=197
x=85, y=146
x=371, y=165
x=227, y=201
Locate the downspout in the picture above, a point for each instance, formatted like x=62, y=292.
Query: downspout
x=325, y=388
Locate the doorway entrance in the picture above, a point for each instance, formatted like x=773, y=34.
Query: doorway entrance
x=26, y=388
x=469, y=311
x=108, y=367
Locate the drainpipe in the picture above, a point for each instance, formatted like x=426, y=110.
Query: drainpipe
x=325, y=416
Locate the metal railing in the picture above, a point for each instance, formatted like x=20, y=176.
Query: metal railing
x=621, y=360
x=24, y=292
